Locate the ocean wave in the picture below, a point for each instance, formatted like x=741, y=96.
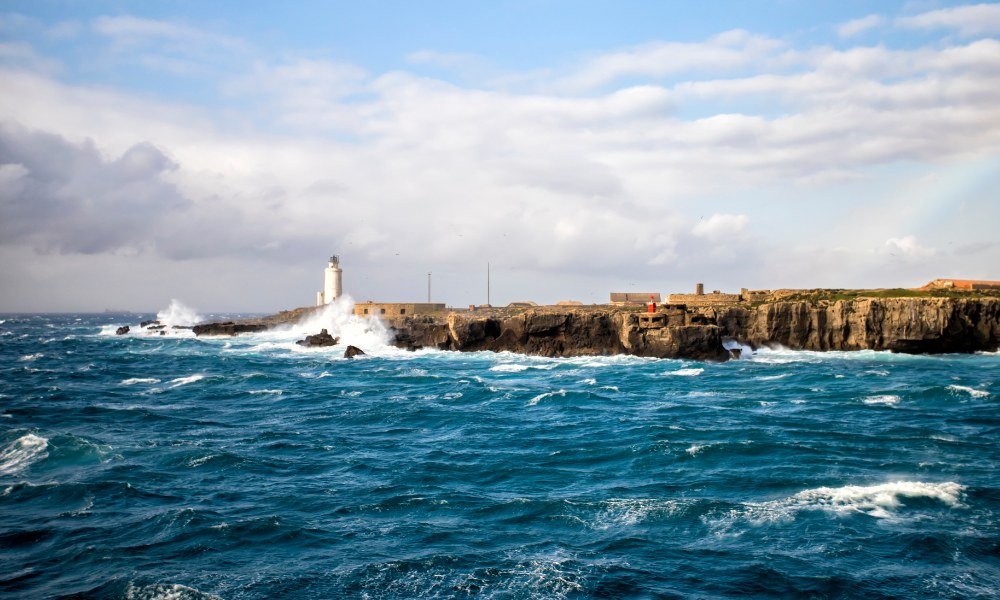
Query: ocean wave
x=22, y=453
x=186, y=380
x=166, y=591
x=687, y=372
x=274, y=392
x=884, y=399
x=31, y=357
x=541, y=397
x=970, y=391
x=882, y=501
x=135, y=380
x=509, y=368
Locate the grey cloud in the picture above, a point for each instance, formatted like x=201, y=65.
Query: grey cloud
x=65, y=197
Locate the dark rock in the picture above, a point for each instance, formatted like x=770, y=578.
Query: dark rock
x=353, y=351
x=228, y=328
x=122, y=330
x=149, y=322
x=163, y=333
x=321, y=339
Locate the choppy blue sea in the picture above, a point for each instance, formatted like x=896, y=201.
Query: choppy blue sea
x=146, y=466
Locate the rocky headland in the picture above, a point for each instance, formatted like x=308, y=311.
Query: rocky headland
x=911, y=325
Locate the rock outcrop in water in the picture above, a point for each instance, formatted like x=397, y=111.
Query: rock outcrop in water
x=322, y=339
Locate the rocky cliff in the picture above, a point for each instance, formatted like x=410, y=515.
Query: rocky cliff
x=914, y=325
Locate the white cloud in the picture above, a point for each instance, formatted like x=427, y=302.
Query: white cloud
x=968, y=20
x=720, y=227
x=856, y=26
x=909, y=247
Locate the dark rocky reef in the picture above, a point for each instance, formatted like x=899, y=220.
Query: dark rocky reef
x=322, y=339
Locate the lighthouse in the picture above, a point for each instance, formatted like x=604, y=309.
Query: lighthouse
x=331, y=282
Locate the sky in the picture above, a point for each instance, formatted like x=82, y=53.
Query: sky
x=219, y=152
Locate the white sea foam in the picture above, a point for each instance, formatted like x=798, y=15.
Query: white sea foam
x=882, y=501
x=541, y=397
x=31, y=357
x=772, y=377
x=695, y=449
x=166, y=591
x=970, y=391
x=589, y=381
x=886, y=399
x=618, y=512
x=876, y=500
x=135, y=380
x=509, y=368
x=610, y=388
x=274, y=392
x=186, y=380
x=22, y=452
x=177, y=314
x=686, y=372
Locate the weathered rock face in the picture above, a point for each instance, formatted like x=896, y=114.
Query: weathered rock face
x=322, y=339
x=914, y=325
x=353, y=351
x=559, y=332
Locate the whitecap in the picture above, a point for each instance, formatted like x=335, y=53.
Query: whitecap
x=772, y=377
x=886, y=399
x=186, y=380
x=30, y=357
x=880, y=501
x=970, y=391
x=274, y=392
x=135, y=380
x=696, y=448
x=23, y=452
x=610, y=388
x=509, y=368
x=617, y=512
x=589, y=381
x=541, y=397
x=876, y=500
x=166, y=591
x=687, y=372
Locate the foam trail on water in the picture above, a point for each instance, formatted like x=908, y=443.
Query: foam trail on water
x=22, y=452
x=178, y=314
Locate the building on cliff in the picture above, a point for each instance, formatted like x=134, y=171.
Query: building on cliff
x=332, y=287
x=640, y=298
x=700, y=298
x=962, y=284
x=396, y=309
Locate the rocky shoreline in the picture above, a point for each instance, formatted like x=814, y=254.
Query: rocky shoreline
x=909, y=325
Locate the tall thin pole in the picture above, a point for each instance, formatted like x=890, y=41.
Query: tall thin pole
x=428, y=287
x=488, y=285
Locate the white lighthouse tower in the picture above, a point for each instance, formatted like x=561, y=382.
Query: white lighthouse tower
x=331, y=282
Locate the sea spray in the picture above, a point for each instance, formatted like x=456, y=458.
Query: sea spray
x=177, y=314
x=338, y=318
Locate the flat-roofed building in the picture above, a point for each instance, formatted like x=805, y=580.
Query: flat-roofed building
x=635, y=297
x=390, y=310
x=963, y=284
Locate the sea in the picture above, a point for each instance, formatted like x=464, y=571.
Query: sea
x=174, y=467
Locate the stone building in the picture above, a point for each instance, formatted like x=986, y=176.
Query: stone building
x=390, y=310
x=643, y=298
x=963, y=284
x=700, y=298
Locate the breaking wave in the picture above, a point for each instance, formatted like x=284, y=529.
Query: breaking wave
x=970, y=391
x=177, y=314
x=22, y=453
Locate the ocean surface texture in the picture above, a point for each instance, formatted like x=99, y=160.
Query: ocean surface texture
x=148, y=466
